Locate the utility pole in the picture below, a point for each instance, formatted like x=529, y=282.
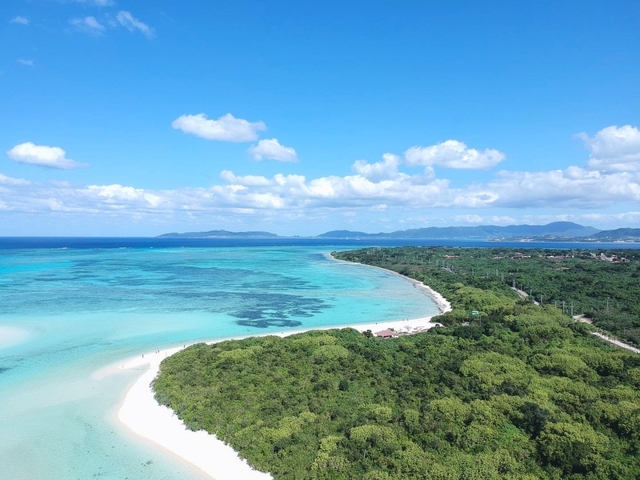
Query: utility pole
x=563, y=306
x=571, y=309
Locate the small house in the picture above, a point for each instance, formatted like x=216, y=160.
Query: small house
x=386, y=334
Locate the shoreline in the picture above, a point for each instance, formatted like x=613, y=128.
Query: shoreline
x=143, y=416
x=442, y=303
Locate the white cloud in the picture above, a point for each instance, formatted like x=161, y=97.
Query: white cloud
x=475, y=219
x=295, y=196
x=296, y=191
x=44, y=156
x=614, y=149
x=132, y=24
x=28, y=63
x=227, y=128
x=453, y=154
x=270, y=149
x=4, y=180
x=379, y=187
x=572, y=187
x=117, y=194
x=386, y=169
x=88, y=25
x=20, y=20
x=247, y=180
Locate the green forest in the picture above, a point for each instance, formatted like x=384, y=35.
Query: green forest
x=519, y=391
x=603, y=285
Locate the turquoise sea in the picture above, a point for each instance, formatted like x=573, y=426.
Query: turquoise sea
x=70, y=308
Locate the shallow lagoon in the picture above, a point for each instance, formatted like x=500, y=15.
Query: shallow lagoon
x=74, y=311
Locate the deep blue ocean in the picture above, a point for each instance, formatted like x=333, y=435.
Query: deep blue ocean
x=69, y=307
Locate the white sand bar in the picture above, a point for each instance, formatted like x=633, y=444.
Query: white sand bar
x=10, y=336
x=144, y=416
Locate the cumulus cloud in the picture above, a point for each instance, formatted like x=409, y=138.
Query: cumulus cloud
x=614, y=149
x=386, y=169
x=20, y=20
x=573, y=187
x=227, y=128
x=270, y=149
x=44, y=156
x=132, y=24
x=246, y=180
x=454, y=154
x=88, y=25
x=114, y=194
x=372, y=187
x=27, y=63
x=336, y=192
x=296, y=195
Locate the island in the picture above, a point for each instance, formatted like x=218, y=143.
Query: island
x=219, y=234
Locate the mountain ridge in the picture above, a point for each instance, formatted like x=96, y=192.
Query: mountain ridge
x=619, y=234
x=554, y=230
x=220, y=234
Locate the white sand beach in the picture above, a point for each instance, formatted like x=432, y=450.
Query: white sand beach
x=10, y=336
x=146, y=418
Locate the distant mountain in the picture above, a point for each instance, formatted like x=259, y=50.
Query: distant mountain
x=219, y=234
x=557, y=231
x=552, y=230
x=617, y=235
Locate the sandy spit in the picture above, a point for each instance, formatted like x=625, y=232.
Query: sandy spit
x=10, y=336
x=145, y=417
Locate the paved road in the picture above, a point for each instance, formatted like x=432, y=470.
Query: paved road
x=615, y=342
x=523, y=294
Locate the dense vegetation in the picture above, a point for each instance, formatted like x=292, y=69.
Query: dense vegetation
x=603, y=285
x=521, y=392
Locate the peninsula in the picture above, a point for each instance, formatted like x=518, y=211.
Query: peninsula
x=211, y=452
x=509, y=388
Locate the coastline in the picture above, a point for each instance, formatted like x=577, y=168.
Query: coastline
x=142, y=415
x=443, y=304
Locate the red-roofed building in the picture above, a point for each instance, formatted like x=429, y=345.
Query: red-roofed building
x=386, y=334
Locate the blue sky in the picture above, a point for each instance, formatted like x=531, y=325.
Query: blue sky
x=138, y=118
